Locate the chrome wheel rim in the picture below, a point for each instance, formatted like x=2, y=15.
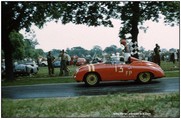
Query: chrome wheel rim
x=92, y=79
x=145, y=77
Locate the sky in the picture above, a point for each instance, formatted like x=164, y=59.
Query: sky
x=57, y=36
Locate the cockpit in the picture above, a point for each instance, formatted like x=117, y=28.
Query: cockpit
x=120, y=60
x=115, y=60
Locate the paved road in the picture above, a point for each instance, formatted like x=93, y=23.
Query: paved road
x=79, y=89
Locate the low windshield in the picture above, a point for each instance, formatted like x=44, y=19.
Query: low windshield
x=114, y=60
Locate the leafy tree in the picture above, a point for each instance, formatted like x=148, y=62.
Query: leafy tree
x=111, y=49
x=29, y=49
x=17, y=45
x=133, y=14
x=23, y=48
x=96, y=50
x=79, y=51
x=40, y=52
x=68, y=50
x=55, y=52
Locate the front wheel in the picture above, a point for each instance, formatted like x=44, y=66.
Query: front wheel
x=92, y=79
x=144, y=77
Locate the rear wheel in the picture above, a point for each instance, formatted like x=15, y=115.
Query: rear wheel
x=144, y=77
x=91, y=79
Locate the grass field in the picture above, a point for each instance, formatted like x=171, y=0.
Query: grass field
x=169, y=66
x=118, y=105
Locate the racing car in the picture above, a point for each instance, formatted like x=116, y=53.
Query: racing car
x=117, y=70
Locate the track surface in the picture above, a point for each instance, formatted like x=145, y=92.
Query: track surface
x=79, y=89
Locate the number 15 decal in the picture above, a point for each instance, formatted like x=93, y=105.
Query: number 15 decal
x=119, y=69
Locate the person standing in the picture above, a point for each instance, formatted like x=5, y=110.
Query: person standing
x=157, y=54
x=50, y=60
x=63, y=67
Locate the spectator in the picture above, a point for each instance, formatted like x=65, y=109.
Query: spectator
x=50, y=60
x=172, y=58
x=157, y=54
x=63, y=66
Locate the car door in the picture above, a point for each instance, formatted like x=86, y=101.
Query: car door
x=115, y=72
x=122, y=71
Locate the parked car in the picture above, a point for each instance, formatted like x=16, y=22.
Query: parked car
x=137, y=70
x=22, y=69
x=33, y=64
x=81, y=61
x=57, y=64
x=25, y=69
x=43, y=63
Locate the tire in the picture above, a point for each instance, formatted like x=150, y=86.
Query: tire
x=144, y=77
x=92, y=79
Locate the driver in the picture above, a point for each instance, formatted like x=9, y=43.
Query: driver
x=127, y=53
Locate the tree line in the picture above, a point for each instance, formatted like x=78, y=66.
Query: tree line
x=25, y=48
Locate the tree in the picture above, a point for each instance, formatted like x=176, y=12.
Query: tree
x=110, y=50
x=96, y=50
x=18, y=15
x=17, y=45
x=55, y=52
x=79, y=51
x=133, y=14
x=15, y=16
x=30, y=51
x=40, y=52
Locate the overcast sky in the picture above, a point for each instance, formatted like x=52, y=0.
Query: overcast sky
x=58, y=36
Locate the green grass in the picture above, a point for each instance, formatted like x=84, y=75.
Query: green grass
x=118, y=105
x=169, y=66
x=42, y=77
x=43, y=72
x=172, y=73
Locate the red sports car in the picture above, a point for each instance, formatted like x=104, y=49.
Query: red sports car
x=115, y=70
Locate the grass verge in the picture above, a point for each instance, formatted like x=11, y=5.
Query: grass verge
x=172, y=73
x=69, y=79
x=118, y=105
x=32, y=81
